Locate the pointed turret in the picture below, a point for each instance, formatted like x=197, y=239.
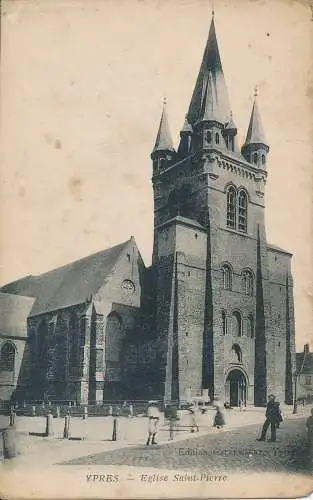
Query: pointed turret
x=210, y=89
x=163, y=150
x=185, y=138
x=255, y=148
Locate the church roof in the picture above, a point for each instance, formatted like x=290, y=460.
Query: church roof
x=71, y=284
x=255, y=134
x=164, y=140
x=14, y=312
x=214, y=92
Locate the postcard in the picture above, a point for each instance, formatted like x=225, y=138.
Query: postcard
x=156, y=249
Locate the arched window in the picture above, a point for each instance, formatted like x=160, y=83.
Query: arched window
x=74, y=342
x=247, y=282
x=243, y=211
x=113, y=338
x=7, y=357
x=227, y=277
x=231, y=207
x=236, y=324
x=209, y=136
x=255, y=158
x=250, y=326
x=263, y=159
x=217, y=138
x=237, y=354
x=162, y=162
x=224, y=323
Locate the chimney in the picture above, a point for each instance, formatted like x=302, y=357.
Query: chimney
x=306, y=349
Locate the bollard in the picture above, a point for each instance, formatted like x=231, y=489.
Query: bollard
x=12, y=417
x=49, y=425
x=115, y=429
x=33, y=411
x=131, y=410
x=110, y=411
x=66, y=432
x=57, y=412
x=9, y=443
x=85, y=414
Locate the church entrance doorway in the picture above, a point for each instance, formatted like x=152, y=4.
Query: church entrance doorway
x=236, y=387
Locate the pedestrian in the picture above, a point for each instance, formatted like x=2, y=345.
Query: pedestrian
x=272, y=418
x=192, y=408
x=279, y=415
x=153, y=414
x=219, y=419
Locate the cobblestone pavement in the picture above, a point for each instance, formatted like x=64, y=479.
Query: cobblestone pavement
x=236, y=450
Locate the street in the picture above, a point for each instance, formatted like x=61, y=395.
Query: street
x=221, y=451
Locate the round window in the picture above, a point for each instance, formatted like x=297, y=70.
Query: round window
x=128, y=286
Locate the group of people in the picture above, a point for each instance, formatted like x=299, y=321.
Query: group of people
x=154, y=415
x=273, y=418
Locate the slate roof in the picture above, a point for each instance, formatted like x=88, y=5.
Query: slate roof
x=14, y=312
x=277, y=249
x=255, y=134
x=307, y=366
x=210, y=94
x=164, y=141
x=68, y=285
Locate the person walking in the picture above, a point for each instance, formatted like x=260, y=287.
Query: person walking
x=192, y=408
x=219, y=419
x=272, y=418
x=153, y=414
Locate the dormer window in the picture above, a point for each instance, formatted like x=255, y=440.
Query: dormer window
x=162, y=162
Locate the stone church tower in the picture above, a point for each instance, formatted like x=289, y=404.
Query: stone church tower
x=224, y=299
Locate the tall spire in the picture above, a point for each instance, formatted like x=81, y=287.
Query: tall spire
x=216, y=89
x=164, y=140
x=255, y=134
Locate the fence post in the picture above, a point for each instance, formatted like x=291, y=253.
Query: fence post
x=49, y=424
x=33, y=411
x=85, y=414
x=9, y=443
x=115, y=429
x=66, y=431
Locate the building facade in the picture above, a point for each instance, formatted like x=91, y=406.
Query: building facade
x=213, y=313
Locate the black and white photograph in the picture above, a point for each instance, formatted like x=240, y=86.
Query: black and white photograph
x=156, y=278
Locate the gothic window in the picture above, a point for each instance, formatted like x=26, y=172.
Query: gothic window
x=247, y=282
x=231, y=207
x=224, y=323
x=243, y=211
x=250, y=326
x=227, y=277
x=73, y=344
x=255, y=158
x=7, y=357
x=217, y=138
x=113, y=338
x=209, y=136
x=232, y=144
x=236, y=324
x=263, y=159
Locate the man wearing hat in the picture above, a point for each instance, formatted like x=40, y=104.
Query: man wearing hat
x=154, y=415
x=273, y=418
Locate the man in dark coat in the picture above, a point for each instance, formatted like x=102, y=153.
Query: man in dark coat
x=273, y=417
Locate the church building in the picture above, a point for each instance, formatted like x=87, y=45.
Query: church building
x=213, y=313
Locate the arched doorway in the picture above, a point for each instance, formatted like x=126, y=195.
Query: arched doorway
x=236, y=387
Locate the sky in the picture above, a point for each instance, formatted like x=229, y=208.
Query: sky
x=82, y=85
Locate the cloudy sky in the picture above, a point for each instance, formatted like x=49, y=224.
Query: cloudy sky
x=82, y=86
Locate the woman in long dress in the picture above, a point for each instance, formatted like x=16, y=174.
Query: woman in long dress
x=219, y=419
